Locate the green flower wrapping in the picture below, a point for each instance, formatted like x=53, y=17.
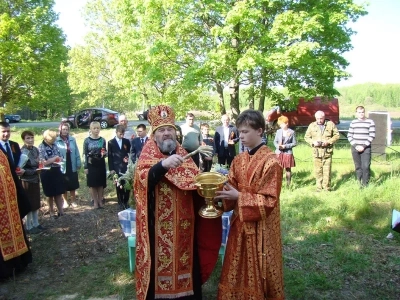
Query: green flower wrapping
x=126, y=180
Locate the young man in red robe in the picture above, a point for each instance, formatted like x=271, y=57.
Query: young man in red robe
x=252, y=266
x=176, y=248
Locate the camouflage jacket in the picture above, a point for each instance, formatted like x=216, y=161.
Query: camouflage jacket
x=329, y=135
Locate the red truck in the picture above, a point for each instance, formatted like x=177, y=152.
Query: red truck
x=303, y=115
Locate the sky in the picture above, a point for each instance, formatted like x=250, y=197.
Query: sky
x=374, y=58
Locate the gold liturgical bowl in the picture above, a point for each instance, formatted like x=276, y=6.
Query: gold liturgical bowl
x=207, y=184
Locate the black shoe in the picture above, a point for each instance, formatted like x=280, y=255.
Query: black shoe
x=34, y=230
x=40, y=227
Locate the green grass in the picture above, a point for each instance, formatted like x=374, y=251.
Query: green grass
x=334, y=244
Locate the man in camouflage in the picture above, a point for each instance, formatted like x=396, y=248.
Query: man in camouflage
x=321, y=135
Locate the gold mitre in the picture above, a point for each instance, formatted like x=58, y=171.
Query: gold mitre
x=161, y=115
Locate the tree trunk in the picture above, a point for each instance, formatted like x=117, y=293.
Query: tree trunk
x=234, y=84
x=251, y=90
x=220, y=91
x=263, y=89
x=234, y=94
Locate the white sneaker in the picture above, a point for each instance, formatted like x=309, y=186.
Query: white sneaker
x=73, y=204
x=65, y=205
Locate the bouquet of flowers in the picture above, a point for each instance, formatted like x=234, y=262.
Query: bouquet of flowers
x=222, y=169
x=22, y=161
x=126, y=180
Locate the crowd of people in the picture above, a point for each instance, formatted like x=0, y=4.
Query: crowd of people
x=172, y=263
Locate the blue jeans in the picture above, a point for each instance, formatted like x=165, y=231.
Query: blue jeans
x=362, y=163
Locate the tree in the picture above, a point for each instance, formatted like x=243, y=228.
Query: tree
x=181, y=47
x=31, y=54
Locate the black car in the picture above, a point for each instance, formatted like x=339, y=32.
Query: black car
x=106, y=118
x=142, y=115
x=12, y=118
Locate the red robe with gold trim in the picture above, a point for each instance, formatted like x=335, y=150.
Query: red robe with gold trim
x=176, y=226
x=252, y=267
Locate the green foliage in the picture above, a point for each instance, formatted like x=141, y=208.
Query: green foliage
x=386, y=95
x=31, y=54
x=177, y=51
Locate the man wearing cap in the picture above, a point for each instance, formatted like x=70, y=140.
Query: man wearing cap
x=178, y=249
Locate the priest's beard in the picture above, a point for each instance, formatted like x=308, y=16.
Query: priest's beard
x=166, y=146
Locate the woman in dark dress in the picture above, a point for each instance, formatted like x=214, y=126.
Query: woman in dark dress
x=94, y=150
x=30, y=180
x=52, y=179
x=69, y=150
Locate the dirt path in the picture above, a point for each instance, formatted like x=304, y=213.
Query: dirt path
x=80, y=237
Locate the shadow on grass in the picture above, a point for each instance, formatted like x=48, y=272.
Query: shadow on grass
x=301, y=178
x=342, y=179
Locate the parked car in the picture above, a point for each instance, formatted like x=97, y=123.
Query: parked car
x=12, y=118
x=142, y=115
x=106, y=118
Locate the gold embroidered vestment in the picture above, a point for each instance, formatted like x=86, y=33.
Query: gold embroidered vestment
x=252, y=266
x=174, y=226
x=12, y=242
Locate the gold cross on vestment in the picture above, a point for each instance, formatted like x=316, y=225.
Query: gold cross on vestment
x=165, y=189
x=165, y=260
x=185, y=224
x=167, y=225
x=184, y=258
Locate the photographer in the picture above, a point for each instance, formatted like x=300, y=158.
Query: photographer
x=321, y=135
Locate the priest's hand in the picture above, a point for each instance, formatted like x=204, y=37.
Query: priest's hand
x=228, y=193
x=172, y=161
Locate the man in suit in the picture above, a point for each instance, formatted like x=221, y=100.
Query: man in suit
x=225, y=138
x=118, y=153
x=138, y=142
x=10, y=148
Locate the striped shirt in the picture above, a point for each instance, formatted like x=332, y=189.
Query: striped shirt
x=361, y=132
